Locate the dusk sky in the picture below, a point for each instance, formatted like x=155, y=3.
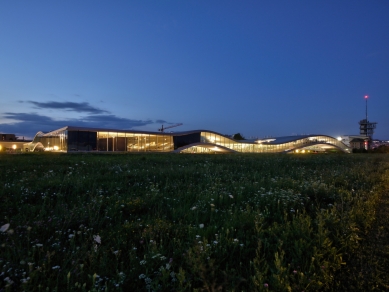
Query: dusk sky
x=261, y=68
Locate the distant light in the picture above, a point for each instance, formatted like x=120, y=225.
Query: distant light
x=56, y=148
x=339, y=138
x=13, y=146
x=366, y=96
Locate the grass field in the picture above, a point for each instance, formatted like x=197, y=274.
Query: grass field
x=122, y=222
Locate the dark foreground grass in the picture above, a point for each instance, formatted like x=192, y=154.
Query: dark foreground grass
x=89, y=222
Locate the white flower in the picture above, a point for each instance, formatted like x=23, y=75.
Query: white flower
x=4, y=228
x=55, y=267
x=97, y=238
x=231, y=196
x=201, y=225
x=212, y=205
x=194, y=208
x=71, y=235
x=215, y=242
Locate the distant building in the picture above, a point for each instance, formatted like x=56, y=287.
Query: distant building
x=11, y=143
x=359, y=143
x=355, y=141
x=8, y=137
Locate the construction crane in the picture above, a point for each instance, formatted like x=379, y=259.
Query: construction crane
x=172, y=126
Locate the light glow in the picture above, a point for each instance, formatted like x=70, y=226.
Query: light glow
x=13, y=146
x=366, y=96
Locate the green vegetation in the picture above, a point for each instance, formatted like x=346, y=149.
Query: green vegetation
x=90, y=222
x=238, y=137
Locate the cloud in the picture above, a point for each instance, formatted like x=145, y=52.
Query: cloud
x=161, y=122
x=28, y=124
x=69, y=106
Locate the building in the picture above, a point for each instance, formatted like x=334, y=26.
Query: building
x=355, y=141
x=69, y=139
x=10, y=143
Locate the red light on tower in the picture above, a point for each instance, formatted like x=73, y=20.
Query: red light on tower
x=366, y=96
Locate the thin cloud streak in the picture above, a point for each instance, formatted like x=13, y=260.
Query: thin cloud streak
x=68, y=106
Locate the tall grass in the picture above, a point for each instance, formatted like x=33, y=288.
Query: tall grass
x=87, y=222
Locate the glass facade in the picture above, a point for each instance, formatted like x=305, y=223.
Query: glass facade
x=77, y=140
x=274, y=146
x=83, y=139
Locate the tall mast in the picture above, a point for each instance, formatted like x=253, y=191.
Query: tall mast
x=366, y=97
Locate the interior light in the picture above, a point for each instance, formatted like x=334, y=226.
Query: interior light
x=13, y=146
x=56, y=148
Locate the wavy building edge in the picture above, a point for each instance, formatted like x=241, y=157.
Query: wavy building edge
x=70, y=139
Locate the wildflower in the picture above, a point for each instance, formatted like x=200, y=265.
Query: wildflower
x=71, y=235
x=266, y=285
x=142, y=262
x=39, y=245
x=294, y=272
x=97, y=238
x=194, y=208
x=4, y=228
x=215, y=242
x=236, y=240
x=55, y=267
x=198, y=236
x=231, y=196
x=201, y=225
x=212, y=205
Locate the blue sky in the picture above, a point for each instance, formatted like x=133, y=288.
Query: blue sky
x=261, y=68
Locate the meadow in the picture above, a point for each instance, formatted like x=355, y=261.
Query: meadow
x=176, y=222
